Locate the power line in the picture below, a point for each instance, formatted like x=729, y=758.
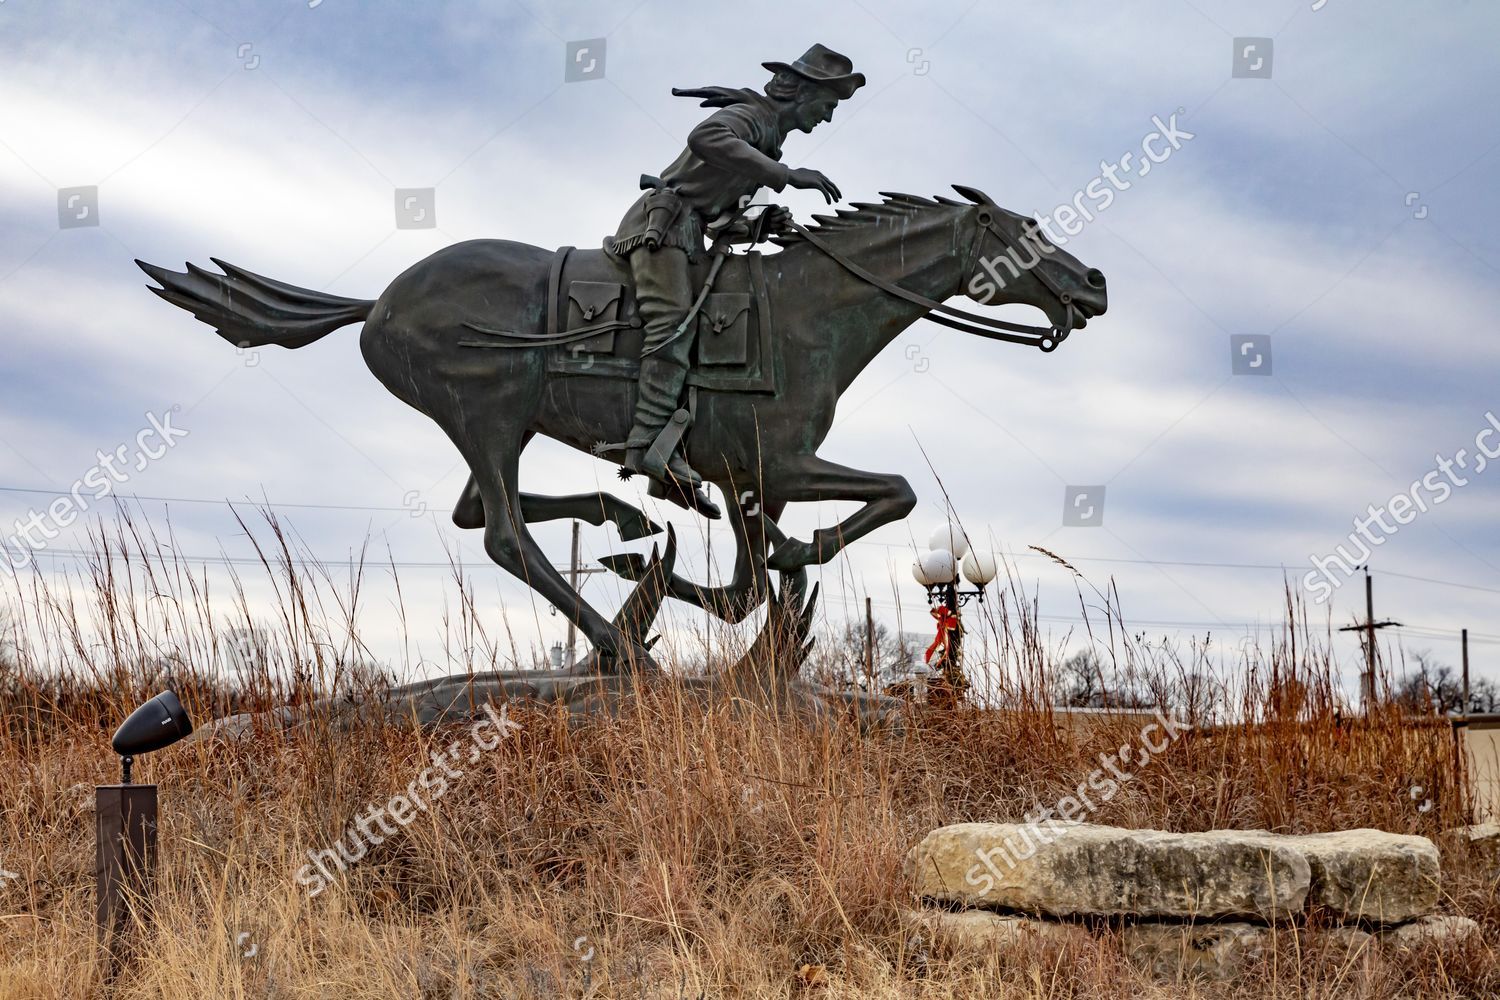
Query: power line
x=1078, y=620
x=1416, y=632
x=1441, y=583
x=1436, y=633
x=1182, y=563
x=862, y=541
x=208, y=500
x=304, y=562
x=1421, y=632
x=1102, y=559
x=1201, y=565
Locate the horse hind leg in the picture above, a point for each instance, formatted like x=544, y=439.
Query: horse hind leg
x=746, y=590
x=511, y=546
x=731, y=603
x=592, y=508
x=754, y=522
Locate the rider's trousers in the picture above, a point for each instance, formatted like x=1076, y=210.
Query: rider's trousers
x=663, y=294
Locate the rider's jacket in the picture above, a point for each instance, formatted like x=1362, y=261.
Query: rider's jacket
x=729, y=156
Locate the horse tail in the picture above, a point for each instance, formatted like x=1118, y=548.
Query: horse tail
x=251, y=311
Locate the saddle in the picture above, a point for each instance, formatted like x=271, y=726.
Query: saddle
x=595, y=331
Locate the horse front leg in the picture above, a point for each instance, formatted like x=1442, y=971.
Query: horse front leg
x=887, y=498
x=754, y=523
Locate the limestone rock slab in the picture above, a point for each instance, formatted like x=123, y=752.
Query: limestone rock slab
x=1370, y=875
x=1198, y=951
x=987, y=931
x=1433, y=930
x=1070, y=869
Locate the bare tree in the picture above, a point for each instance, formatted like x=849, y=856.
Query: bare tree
x=9, y=667
x=1084, y=681
x=7, y=639
x=1484, y=696
x=1437, y=688
x=838, y=656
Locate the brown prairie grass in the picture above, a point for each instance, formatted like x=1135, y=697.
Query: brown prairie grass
x=679, y=850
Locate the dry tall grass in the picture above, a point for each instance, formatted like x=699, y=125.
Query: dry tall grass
x=677, y=851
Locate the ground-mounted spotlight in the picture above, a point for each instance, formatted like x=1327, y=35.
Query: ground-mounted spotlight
x=125, y=822
x=159, y=723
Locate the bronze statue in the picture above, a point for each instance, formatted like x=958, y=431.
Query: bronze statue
x=499, y=341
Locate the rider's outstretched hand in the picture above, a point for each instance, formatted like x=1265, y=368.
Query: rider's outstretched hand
x=808, y=179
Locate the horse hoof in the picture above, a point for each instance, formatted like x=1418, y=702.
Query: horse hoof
x=695, y=499
x=630, y=565
x=634, y=658
x=790, y=556
x=637, y=527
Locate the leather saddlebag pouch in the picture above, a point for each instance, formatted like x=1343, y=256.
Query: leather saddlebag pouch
x=724, y=329
x=591, y=302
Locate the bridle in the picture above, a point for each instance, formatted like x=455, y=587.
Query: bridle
x=1043, y=337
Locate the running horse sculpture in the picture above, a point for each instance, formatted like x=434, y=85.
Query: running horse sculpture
x=839, y=292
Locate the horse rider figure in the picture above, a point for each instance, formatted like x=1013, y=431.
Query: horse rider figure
x=729, y=156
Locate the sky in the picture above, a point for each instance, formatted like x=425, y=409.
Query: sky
x=1301, y=294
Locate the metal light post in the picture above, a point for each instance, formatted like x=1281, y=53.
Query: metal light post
x=938, y=571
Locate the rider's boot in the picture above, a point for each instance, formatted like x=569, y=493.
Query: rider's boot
x=661, y=382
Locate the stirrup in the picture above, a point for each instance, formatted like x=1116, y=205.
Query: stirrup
x=659, y=461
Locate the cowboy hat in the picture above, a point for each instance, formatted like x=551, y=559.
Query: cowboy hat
x=823, y=65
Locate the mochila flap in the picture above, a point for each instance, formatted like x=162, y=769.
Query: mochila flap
x=594, y=297
x=723, y=309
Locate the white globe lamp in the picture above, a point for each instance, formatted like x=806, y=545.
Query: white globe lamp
x=980, y=568
x=950, y=537
x=934, y=568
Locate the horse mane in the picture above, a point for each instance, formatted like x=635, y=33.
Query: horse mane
x=895, y=205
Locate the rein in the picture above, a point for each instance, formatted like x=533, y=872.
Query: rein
x=1044, y=337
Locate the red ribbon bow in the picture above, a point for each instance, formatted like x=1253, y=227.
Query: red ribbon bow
x=946, y=621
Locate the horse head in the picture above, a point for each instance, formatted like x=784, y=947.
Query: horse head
x=1014, y=261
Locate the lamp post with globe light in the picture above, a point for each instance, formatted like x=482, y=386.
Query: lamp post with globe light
x=938, y=570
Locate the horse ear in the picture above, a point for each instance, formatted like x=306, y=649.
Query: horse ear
x=975, y=195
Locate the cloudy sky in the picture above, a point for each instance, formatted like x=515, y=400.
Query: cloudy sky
x=1336, y=197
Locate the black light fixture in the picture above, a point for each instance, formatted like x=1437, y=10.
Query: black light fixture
x=159, y=723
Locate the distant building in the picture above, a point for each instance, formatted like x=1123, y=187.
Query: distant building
x=1481, y=741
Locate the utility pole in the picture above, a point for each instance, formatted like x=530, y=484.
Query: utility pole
x=1368, y=627
x=570, y=654
x=869, y=644
x=576, y=573
x=1467, y=702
